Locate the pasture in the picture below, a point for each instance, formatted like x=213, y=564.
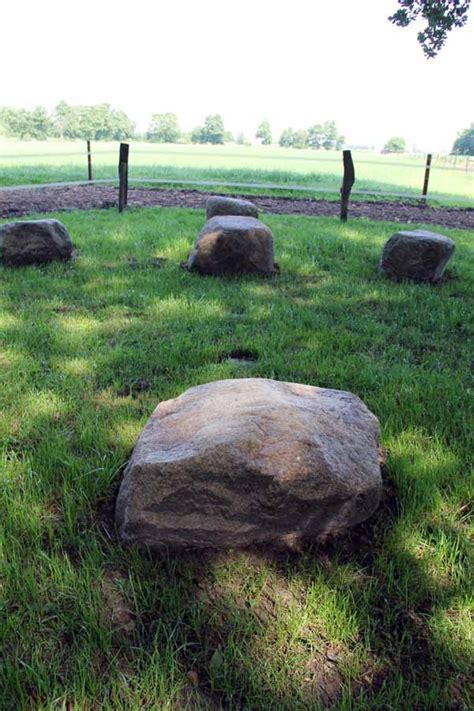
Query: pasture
x=380, y=618
x=31, y=162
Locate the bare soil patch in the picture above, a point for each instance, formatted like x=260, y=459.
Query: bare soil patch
x=17, y=202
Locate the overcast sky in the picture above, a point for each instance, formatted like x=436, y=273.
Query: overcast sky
x=296, y=63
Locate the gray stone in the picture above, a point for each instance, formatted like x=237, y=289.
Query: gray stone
x=418, y=255
x=34, y=242
x=250, y=461
x=218, y=205
x=233, y=245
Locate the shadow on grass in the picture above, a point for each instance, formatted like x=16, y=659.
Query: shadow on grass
x=247, y=637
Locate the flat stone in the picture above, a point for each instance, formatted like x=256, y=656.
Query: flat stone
x=34, y=242
x=250, y=461
x=233, y=245
x=218, y=205
x=419, y=255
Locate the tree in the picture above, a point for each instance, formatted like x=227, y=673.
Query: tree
x=325, y=135
x=41, y=125
x=197, y=135
x=464, y=143
x=440, y=15
x=97, y=122
x=331, y=139
x=213, y=130
x=122, y=126
x=264, y=133
x=394, y=145
x=15, y=122
x=164, y=128
x=300, y=138
x=103, y=123
x=287, y=138
x=20, y=123
x=66, y=120
x=241, y=140
x=316, y=136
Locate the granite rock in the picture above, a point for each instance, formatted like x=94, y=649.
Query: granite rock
x=34, y=242
x=250, y=461
x=419, y=255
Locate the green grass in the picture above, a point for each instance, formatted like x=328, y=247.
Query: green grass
x=90, y=348
x=39, y=161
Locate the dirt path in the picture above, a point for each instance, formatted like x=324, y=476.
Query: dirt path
x=16, y=202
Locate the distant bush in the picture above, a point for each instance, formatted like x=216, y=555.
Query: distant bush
x=395, y=145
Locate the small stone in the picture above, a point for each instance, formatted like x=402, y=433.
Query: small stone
x=233, y=245
x=250, y=461
x=34, y=242
x=218, y=205
x=193, y=678
x=333, y=655
x=419, y=255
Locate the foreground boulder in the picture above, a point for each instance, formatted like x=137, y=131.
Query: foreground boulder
x=419, y=255
x=239, y=462
x=34, y=242
x=233, y=245
x=218, y=205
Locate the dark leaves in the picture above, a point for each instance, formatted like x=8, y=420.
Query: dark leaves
x=441, y=17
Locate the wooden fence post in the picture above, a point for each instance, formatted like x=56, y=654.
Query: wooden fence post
x=89, y=161
x=347, y=183
x=427, y=175
x=123, y=176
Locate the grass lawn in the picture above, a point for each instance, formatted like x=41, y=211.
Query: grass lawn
x=379, y=619
x=31, y=162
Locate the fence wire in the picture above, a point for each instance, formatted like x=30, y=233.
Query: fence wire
x=439, y=163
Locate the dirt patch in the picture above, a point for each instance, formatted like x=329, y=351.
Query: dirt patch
x=17, y=202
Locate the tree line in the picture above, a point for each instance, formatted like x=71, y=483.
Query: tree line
x=102, y=122
x=95, y=122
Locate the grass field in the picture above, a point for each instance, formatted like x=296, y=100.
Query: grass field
x=39, y=161
x=381, y=619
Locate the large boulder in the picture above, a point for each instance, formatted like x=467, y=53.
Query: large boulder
x=418, y=255
x=233, y=245
x=34, y=242
x=219, y=205
x=250, y=461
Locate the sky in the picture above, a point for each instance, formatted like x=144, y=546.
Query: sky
x=295, y=63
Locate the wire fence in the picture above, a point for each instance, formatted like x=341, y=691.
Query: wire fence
x=454, y=162
x=417, y=162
